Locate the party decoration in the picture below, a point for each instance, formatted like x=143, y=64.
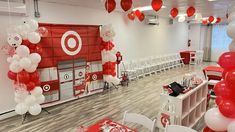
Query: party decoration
x=43, y=32
x=216, y=121
x=126, y=4
x=131, y=15
x=231, y=29
x=218, y=20
x=23, y=62
x=156, y=4
x=181, y=19
x=138, y=13
x=110, y=5
x=174, y=12
x=190, y=11
x=211, y=19
x=214, y=21
x=14, y=40
x=221, y=89
x=141, y=17
x=227, y=61
x=230, y=79
x=108, y=53
x=34, y=37
x=227, y=108
x=204, y=21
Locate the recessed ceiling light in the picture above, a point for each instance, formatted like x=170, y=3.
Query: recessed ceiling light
x=145, y=8
x=212, y=0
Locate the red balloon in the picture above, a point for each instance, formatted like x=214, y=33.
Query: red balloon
x=227, y=108
x=211, y=19
x=227, y=61
x=38, y=83
x=131, y=16
x=218, y=100
x=113, y=74
x=138, y=13
x=207, y=129
x=30, y=86
x=110, y=5
x=190, y=11
x=32, y=47
x=11, y=75
x=230, y=79
x=174, y=12
x=156, y=4
x=224, y=73
x=218, y=20
x=34, y=77
x=126, y=4
x=204, y=22
x=222, y=90
x=26, y=42
x=141, y=17
x=23, y=77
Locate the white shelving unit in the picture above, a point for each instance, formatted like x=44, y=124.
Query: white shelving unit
x=186, y=109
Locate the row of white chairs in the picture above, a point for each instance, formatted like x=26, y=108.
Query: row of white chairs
x=147, y=66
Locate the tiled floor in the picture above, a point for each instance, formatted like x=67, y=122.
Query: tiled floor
x=142, y=96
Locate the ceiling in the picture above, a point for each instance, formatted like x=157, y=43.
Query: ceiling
x=207, y=8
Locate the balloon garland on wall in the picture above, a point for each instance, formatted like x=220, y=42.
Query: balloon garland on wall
x=23, y=66
x=108, y=53
x=223, y=117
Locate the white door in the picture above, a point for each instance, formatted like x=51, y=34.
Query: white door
x=66, y=84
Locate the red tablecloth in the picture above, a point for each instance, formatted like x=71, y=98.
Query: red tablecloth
x=186, y=56
x=213, y=68
x=96, y=127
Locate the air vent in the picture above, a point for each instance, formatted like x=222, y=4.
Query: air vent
x=152, y=20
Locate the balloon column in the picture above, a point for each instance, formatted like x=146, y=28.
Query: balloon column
x=23, y=67
x=223, y=117
x=108, y=52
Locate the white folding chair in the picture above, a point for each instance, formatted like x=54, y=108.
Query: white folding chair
x=177, y=128
x=132, y=73
x=139, y=119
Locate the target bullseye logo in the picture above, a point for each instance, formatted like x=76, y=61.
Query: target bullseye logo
x=80, y=74
x=94, y=77
x=71, y=43
x=66, y=76
x=46, y=87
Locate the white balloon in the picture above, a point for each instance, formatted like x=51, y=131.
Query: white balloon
x=25, y=30
x=15, y=67
x=24, y=35
x=35, y=109
x=14, y=40
x=231, y=30
x=25, y=62
x=107, y=33
x=231, y=127
x=32, y=68
x=34, y=37
x=22, y=51
x=181, y=19
x=231, y=17
x=40, y=99
x=21, y=94
x=37, y=91
x=18, y=29
x=111, y=79
x=15, y=57
x=21, y=108
x=198, y=16
x=216, y=121
x=19, y=100
x=9, y=59
x=35, y=58
x=111, y=57
x=33, y=24
x=114, y=51
x=30, y=100
x=232, y=46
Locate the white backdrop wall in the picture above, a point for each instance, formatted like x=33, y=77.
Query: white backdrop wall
x=134, y=39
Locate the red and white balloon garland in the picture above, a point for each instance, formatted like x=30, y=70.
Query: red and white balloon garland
x=108, y=53
x=23, y=67
x=223, y=117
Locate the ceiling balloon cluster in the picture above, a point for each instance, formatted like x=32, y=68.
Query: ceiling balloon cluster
x=126, y=5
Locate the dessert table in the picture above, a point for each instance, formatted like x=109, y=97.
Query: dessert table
x=112, y=127
x=186, y=56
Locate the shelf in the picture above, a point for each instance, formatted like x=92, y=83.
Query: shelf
x=196, y=120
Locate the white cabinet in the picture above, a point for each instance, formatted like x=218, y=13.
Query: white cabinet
x=186, y=109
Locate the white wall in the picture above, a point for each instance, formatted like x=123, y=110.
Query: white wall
x=195, y=37
x=133, y=39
